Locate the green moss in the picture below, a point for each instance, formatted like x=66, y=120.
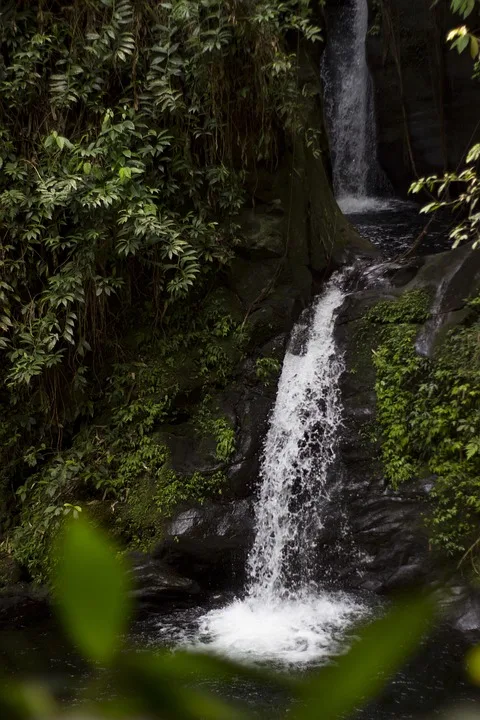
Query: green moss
x=150, y=503
x=136, y=489
x=428, y=415
x=411, y=307
x=117, y=460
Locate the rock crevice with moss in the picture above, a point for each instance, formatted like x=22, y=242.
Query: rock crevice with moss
x=412, y=422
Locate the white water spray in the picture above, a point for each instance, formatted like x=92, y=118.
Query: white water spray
x=350, y=109
x=285, y=616
x=299, y=451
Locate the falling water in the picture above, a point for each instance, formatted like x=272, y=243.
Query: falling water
x=299, y=451
x=285, y=615
x=350, y=108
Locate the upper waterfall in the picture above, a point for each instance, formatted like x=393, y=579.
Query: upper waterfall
x=350, y=107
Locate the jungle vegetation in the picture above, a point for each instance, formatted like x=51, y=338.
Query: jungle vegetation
x=129, y=130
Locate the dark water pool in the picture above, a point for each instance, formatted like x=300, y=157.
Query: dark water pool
x=396, y=227
x=433, y=682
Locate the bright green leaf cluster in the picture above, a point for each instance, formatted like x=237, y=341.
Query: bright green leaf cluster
x=127, y=130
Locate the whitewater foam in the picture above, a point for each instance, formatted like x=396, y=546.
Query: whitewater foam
x=294, y=631
x=351, y=205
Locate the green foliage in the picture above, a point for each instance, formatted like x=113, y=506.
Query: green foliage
x=445, y=188
x=191, y=490
x=463, y=7
x=429, y=419
x=117, y=459
x=126, y=132
x=217, y=427
x=411, y=307
x=460, y=39
x=100, y=465
x=91, y=592
x=131, y=478
x=398, y=369
x=225, y=439
x=466, y=201
x=448, y=422
x=267, y=369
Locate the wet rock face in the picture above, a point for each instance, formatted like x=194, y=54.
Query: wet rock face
x=210, y=544
x=425, y=98
x=22, y=605
x=383, y=545
x=204, y=550
x=155, y=584
x=466, y=614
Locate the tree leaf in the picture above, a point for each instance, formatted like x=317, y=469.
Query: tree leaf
x=91, y=591
x=24, y=701
x=474, y=49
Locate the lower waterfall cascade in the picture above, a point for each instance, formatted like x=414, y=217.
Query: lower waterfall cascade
x=240, y=360
x=300, y=448
x=286, y=616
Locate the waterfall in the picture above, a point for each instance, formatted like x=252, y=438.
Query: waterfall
x=299, y=451
x=285, y=615
x=350, y=108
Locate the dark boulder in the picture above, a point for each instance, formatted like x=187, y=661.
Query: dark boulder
x=155, y=584
x=252, y=411
x=465, y=613
x=22, y=605
x=210, y=543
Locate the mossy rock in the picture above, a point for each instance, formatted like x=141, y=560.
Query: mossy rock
x=10, y=571
x=140, y=520
x=262, y=232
